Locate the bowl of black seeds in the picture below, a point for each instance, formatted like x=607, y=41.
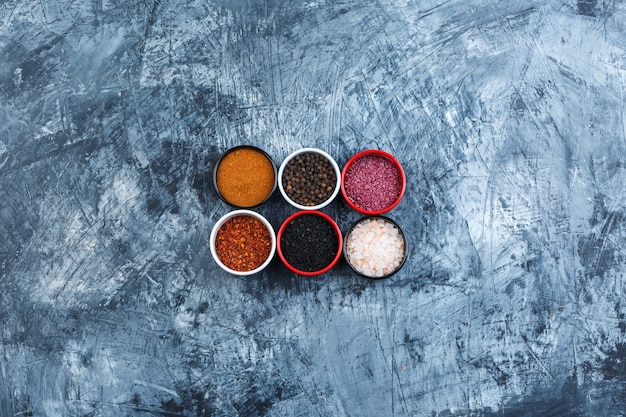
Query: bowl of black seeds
x=309, y=179
x=309, y=243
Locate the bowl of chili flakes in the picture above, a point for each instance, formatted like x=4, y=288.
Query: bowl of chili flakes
x=243, y=242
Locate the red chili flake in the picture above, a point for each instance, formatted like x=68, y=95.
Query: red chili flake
x=243, y=243
x=373, y=182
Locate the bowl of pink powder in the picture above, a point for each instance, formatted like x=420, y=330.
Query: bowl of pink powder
x=373, y=182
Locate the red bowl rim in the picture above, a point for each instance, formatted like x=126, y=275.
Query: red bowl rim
x=337, y=232
x=379, y=153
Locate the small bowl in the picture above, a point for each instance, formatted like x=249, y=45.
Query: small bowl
x=379, y=184
x=308, y=246
x=250, y=184
x=248, y=245
x=374, y=244
x=284, y=189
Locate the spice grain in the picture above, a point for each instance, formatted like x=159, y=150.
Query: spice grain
x=243, y=243
x=373, y=182
x=375, y=247
x=309, y=179
x=309, y=243
x=245, y=177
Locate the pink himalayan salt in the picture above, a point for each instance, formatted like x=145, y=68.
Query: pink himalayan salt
x=373, y=182
x=375, y=247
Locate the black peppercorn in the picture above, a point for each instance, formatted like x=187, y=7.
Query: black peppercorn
x=309, y=179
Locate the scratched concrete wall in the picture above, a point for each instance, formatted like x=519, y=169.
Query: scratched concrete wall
x=507, y=116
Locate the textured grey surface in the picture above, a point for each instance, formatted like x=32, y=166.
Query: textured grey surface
x=509, y=120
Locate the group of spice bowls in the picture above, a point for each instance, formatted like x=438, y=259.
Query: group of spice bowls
x=309, y=242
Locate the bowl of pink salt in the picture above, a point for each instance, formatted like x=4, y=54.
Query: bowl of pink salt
x=375, y=247
x=373, y=182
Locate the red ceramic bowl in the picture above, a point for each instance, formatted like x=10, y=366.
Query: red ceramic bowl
x=373, y=182
x=309, y=246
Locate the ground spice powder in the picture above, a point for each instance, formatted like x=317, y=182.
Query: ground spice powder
x=245, y=177
x=243, y=243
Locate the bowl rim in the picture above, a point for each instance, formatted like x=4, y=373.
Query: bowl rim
x=395, y=162
x=385, y=218
x=338, y=233
x=235, y=213
x=333, y=163
x=239, y=147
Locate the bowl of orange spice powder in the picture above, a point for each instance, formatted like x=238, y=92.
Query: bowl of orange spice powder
x=243, y=242
x=245, y=176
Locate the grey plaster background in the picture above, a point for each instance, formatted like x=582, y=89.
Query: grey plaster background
x=508, y=117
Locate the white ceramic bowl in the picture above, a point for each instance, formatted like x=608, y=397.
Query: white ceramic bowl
x=229, y=216
x=333, y=163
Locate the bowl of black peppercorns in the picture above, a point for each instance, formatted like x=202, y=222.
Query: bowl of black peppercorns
x=309, y=179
